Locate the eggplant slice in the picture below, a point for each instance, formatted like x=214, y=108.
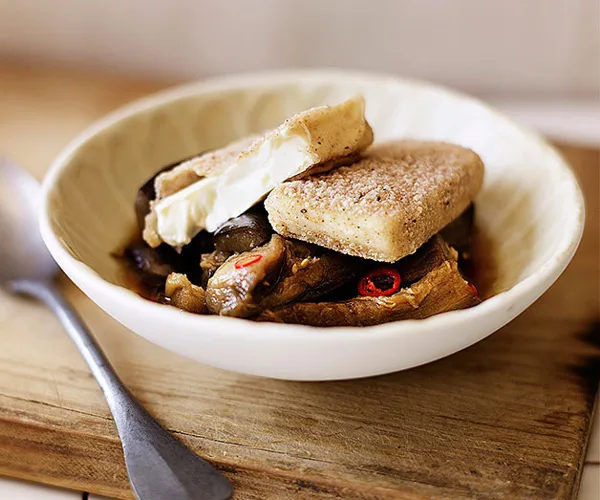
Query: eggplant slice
x=441, y=288
x=311, y=272
x=184, y=294
x=243, y=233
x=280, y=272
x=240, y=284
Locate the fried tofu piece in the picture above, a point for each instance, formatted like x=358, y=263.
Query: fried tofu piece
x=312, y=141
x=384, y=206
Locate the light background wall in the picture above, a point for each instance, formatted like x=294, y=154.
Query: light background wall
x=510, y=47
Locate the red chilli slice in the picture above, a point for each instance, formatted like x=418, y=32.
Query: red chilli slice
x=474, y=288
x=379, y=282
x=248, y=261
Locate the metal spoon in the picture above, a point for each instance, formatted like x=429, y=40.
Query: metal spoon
x=159, y=466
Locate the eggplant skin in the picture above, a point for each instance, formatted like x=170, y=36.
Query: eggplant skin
x=243, y=233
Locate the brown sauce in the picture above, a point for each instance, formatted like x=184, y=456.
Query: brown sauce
x=137, y=281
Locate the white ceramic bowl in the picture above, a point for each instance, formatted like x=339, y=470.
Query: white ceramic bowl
x=530, y=207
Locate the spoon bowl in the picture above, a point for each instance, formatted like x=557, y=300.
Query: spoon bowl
x=22, y=250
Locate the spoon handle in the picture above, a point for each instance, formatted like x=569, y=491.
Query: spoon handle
x=160, y=467
x=103, y=372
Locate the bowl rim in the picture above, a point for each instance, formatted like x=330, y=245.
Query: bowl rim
x=522, y=293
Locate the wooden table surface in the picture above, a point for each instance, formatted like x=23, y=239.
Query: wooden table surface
x=507, y=418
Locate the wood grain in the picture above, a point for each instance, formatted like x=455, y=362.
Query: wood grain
x=507, y=418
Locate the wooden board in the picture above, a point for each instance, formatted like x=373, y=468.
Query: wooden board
x=508, y=418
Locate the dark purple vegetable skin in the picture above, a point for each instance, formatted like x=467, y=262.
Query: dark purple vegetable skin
x=243, y=233
x=459, y=233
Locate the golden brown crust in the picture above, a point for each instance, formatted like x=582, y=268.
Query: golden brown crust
x=383, y=207
x=321, y=168
x=206, y=165
x=150, y=232
x=332, y=133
